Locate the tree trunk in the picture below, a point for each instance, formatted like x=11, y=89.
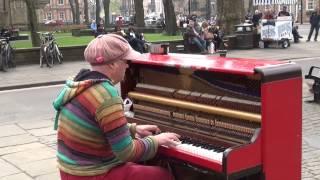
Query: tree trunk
x=208, y=7
x=138, y=7
x=251, y=6
x=229, y=14
x=106, y=4
x=98, y=7
x=153, y=6
x=73, y=11
x=33, y=23
x=170, y=17
x=86, y=13
x=77, y=11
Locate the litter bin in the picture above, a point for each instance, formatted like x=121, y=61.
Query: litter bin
x=244, y=36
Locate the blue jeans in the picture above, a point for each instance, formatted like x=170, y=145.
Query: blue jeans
x=200, y=43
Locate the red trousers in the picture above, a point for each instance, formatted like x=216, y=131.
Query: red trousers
x=128, y=171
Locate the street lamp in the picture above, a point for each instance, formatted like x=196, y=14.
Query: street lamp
x=301, y=11
x=189, y=5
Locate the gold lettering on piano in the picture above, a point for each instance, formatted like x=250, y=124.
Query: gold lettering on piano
x=204, y=121
x=189, y=117
x=234, y=127
x=151, y=109
x=178, y=115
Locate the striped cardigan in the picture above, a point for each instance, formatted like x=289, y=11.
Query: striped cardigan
x=93, y=133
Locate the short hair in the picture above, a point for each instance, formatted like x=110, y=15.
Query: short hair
x=204, y=25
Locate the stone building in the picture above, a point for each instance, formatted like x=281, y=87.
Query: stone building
x=59, y=10
x=308, y=7
x=14, y=12
x=181, y=7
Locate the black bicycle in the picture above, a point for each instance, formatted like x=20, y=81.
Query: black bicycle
x=49, y=50
x=6, y=54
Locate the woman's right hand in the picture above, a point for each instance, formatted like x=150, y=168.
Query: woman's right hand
x=168, y=139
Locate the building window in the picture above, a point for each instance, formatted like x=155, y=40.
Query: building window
x=49, y=16
x=60, y=2
x=310, y=4
x=61, y=15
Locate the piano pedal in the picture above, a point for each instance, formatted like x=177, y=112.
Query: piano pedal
x=197, y=169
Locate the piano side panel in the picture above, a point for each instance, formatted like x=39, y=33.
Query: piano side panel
x=282, y=128
x=243, y=157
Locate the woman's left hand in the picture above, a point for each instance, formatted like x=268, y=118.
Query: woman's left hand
x=147, y=130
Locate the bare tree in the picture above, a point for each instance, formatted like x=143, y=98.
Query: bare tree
x=33, y=22
x=76, y=2
x=230, y=13
x=251, y=6
x=106, y=5
x=73, y=11
x=138, y=7
x=98, y=7
x=153, y=6
x=208, y=9
x=86, y=13
x=170, y=17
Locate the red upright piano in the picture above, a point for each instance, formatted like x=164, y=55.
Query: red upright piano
x=238, y=118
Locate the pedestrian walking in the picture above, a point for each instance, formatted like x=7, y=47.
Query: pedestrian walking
x=95, y=141
x=314, y=21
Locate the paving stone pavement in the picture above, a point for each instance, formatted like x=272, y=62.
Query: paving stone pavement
x=27, y=150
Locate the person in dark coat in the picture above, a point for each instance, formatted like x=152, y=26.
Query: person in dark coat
x=314, y=21
x=256, y=18
x=284, y=12
x=135, y=39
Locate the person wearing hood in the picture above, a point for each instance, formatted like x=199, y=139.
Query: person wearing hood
x=95, y=141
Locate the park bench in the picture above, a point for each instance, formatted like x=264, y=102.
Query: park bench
x=314, y=74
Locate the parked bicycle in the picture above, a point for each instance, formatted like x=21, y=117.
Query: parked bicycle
x=49, y=50
x=6, y=54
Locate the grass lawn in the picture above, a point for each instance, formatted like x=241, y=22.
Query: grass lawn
x=65, y=39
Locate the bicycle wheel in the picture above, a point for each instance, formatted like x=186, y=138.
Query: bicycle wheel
x=1, y=60
x=42, y=56
x=58, y=54
x=10, y=56
x=48, y=56
x=4, y=60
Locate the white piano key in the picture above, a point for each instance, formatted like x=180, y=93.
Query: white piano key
x=198, y=151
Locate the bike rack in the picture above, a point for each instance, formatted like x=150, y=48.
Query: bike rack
x=314, y=73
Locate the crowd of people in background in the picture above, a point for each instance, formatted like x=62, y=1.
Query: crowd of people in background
x=207, y=35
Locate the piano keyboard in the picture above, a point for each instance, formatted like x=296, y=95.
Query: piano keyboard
x=196, y=153
x=199, y=149
x=202, y=151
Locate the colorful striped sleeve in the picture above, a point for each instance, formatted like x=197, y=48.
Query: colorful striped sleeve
x=118, y=131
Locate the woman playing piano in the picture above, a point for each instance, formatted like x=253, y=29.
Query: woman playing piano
x=94, y=139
